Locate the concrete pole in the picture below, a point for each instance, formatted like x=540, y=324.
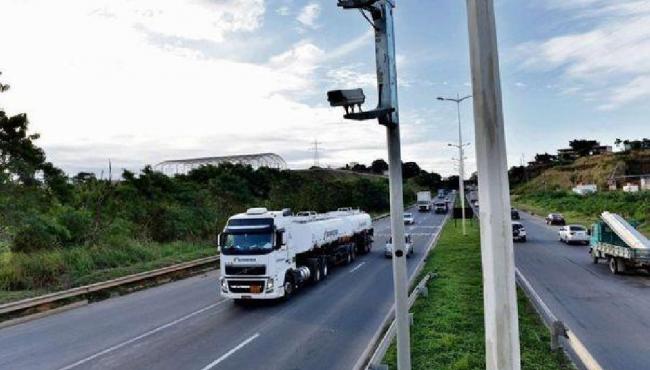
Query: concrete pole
x=500, y=304
x=387, y=81
x=461, y=170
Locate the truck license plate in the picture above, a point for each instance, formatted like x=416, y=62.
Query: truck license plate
x=256, y=289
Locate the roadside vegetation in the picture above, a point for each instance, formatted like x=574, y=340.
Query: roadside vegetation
x=544, y=186
x=58, y=232
x=448, y=331
x=587, y=209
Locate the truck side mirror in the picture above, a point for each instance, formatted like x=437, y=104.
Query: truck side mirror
x=279, y=239
x=221, y=240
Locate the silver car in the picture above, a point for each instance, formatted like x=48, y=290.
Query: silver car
x=409, y=219
x=408, y=246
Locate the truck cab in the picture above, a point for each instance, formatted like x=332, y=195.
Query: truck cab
x=254, y=256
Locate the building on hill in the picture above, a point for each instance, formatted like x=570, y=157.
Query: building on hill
x=567, y=154
x=601, y=149
x=631, y=188
x=585, y=189
x=183, y=166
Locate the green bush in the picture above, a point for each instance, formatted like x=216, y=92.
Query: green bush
x=78, y=222
x=39, y=232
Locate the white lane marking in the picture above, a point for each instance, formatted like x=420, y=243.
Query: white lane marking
x=357, y=267
x=141, y=336
x=229, y=353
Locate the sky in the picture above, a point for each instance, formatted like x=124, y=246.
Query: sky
x=137, y=82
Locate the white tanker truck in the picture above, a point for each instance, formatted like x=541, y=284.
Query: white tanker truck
x=268, y=254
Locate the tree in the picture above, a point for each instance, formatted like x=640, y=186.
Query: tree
x=583, y=147
x=359, y=168
x=379, y=166
x=431, y=180
x=410, y=169
x=545, y=158
x=20, y=158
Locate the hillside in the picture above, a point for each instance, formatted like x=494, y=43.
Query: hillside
x=589, y=170
x=551, y=190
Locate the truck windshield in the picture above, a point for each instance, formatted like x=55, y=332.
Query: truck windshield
x=248, y=243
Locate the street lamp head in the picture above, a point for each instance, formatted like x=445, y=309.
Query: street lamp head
x=450, y=144
x=440, y=98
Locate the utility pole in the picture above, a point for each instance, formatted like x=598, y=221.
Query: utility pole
x=381, y=19
x=461, y=169
x=499, y=297
x=314, y=148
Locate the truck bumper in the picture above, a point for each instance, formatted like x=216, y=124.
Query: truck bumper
x=253, y=288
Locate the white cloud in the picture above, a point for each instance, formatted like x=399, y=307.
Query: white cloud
x=309, y=15
x=109, y=92
x=611, y=60
x=283, y=10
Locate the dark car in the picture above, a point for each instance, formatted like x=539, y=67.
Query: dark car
x=514, y=214
x=555, y=219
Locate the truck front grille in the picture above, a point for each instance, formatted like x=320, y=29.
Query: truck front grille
x=246, y=270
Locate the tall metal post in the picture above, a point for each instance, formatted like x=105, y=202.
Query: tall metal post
x=387, y=114
x=500, y=304
x=387, y=82
x=461, y=171
x=461, y=158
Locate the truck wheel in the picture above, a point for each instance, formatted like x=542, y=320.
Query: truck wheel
x=613, y=266
x=324, y=268
x=523, y=239
x=288, y=286
x=314, y=270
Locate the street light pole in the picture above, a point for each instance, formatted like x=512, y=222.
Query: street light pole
x=497, y=255
x=461, y=170
x=381, y=19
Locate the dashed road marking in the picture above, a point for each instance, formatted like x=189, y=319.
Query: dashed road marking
x=142, y=336
x=229, y=353
x=357, y=267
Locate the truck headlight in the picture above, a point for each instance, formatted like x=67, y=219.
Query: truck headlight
x=269, y=286
x=224, y=285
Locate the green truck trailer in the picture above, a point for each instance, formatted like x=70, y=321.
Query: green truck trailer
x=617, y=241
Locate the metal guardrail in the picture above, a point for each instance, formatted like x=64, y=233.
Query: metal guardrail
x=378, y=355
x=96, y=287
x=372, y=356
x=28, y=303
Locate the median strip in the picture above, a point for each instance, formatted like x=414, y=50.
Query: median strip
x=448, y=330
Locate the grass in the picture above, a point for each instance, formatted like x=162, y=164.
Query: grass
x=448, y=331
x=24, y=275
x=586, y=210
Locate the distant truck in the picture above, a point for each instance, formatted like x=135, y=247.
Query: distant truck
x=269, y=254
x=442, y=193
x=424, y=201
x=619, y=243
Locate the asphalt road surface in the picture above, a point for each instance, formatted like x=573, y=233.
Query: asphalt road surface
x=609, y=313
x=187, y=325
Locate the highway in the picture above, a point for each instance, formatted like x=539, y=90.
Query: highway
x=609, y=313
x=187, y=325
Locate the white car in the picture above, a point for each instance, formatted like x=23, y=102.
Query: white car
x=574, y=234
x=408, y=246
x=409, y=219
x=518, y=232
